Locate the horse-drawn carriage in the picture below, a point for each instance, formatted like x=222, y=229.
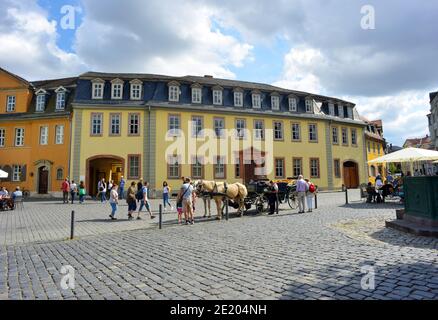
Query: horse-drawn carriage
x=259, y=190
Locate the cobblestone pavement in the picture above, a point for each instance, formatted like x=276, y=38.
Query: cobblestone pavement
x=317, y=255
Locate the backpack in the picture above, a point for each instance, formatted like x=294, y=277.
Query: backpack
x=312, y=188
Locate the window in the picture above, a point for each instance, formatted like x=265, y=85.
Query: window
x=59, y=174
x=59, y=134
x=309, y=106
x=40, y=102
x=10, y=103
x=313, y=133
x=237, y=168
x=174, y=125
x=238, y=99
x=134, y=166
x=117, y=89
x=16, y=173
x=44, y=135
x=350, y=112
x=335, y=138
x=219, y=168
x=259, y=130
x=115, y=121
x=275, y=103
x=196, y=95
x=173, y=167
x=293, y=104
x=297, y=164
x=197, y=168
x=96, y=124
x=60, y=101
x=337, y=168
x=331, y=109
x=197, y=126
x=134, y=124
x=278, y=130
x=314, y=168
x=354, y=137
x=97, y=90
x=344, y=136
x=378, y=147
x=372, y=171
x=217, y=97
x=241, y=128
x=135, y=91
x=219, y=126
x=374, y=147
x=279, y=168
x=296, y=132
x=369, y=146
x=256, y=101
x=173, y=93
x=2, y=137
x=341, y=111
x=19, y=137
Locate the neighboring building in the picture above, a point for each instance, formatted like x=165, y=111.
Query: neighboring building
x=35, y=132
x=376, y=147
x=421, y=143
x=124, y=124
x=433, y=120
x=421, y=167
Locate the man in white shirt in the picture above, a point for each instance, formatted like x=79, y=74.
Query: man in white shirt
x=302, y=188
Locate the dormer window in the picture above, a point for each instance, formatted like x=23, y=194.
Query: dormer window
x=40, y=102
x=117, y=89
x=173, y=92
x=341, y=110
x=217, y=96
x=275, y=102
x=196, y=94
x=136, y=86
x=331, y=108
x=238, y=98
x=309, y=106
x=97, y=89
x=350, y=113
x=256, y=101
x=60, y=98
x=293, y=104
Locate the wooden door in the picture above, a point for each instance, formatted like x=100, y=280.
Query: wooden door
x=249, y=172
x=351, y=175
x=43, y=181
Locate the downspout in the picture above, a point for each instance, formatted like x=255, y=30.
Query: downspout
x=149, y=144
x=71, y=142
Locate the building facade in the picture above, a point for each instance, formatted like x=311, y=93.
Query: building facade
x=35, y=133
x=163, y=128
x=433, y=120
x=376, y=147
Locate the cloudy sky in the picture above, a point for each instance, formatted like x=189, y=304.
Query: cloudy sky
x=317, y=46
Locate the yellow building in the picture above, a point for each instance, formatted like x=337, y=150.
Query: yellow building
x=163, y=128
x=376, y=147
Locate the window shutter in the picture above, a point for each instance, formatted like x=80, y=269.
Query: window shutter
x=8, y=169
x=23, y=174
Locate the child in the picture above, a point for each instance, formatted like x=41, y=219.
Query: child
x=179, y=209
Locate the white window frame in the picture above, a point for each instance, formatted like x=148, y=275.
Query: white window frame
x=275, y=103
x=59, y=134
x=60, y=100
x=221, y=127
x=40, y=102
x=97, y=90
x=242, y=133
x=315, y=132
x=331, y=109
x=256, y=101
x=117, y=90
x=280, y=131
x=340, y=110
x=293, y=104
x=115, y=123
x=279, y=168
x=217, y=97
x=354, y=137
x=174, y=125
x=19, y=137
x=134, y=124
x=16, y=173
x=44, y=135
x=350, y=112
x=259, y=133
x=219, y=166
x=238, y=99
x=309, y=106
x=2, y=137
x=11, y=102
x=97, y=116
x=136, y=91
x=196, y=95
x=197, y=126
x=174, y=93
x=298, y=131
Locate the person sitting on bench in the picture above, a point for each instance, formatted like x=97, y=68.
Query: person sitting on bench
x=371, y=193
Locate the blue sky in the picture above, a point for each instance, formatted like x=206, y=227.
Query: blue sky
x=315, y=46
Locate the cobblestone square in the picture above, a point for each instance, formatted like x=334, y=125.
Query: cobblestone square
x=319, y=255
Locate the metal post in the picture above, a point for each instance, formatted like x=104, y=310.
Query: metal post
x=346, y=195
x=316, y=200
x=277, y=203
x=160, y=223
x=72, y=226
x=226, y=209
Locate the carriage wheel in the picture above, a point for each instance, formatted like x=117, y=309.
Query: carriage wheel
x=292, y=200
x=261, y=204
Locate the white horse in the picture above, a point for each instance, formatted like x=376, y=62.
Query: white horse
x=236, y=192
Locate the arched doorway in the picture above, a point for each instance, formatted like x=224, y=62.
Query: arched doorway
x=106, y=167
x=43, y=180
x=252, y=165
x=351, y=174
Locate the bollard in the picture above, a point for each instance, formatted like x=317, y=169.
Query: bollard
x=160, y=221
x=346, y=195
x=316, y=200
x=226, y=209
x=72, y=226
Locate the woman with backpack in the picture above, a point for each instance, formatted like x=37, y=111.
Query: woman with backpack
x=310, y=194
x=82, y=192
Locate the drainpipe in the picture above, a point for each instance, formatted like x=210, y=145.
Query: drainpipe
x=149, y=144
x=71, y=142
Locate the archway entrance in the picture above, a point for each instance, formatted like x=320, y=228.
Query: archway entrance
x=43, y=180
x=252, y=165
x=351, y=174
x=106, y=167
